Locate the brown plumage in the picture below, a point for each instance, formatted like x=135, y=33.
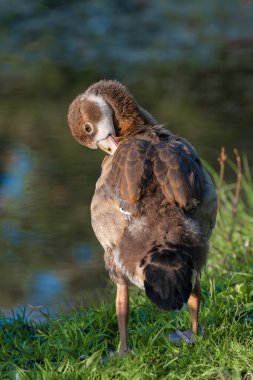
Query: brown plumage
x=154, y=206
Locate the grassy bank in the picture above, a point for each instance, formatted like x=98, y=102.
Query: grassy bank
x=79, y=347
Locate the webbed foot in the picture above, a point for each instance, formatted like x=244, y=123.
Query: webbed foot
x=187, y=336
x=182, y=336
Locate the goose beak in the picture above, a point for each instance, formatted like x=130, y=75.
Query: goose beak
x=108, y=145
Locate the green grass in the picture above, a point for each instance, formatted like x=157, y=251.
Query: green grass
x=79, y=347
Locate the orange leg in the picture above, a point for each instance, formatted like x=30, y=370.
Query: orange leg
x=194, y=304
x=122, y=316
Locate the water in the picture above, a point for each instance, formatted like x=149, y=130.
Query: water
x=116, y=35
x=49, y=255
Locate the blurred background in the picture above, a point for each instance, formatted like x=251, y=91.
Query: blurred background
x=188, y=63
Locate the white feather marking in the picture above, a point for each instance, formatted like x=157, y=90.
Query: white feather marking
x=105, y=125
x=124, y=212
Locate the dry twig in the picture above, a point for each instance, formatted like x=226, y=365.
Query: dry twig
x=237, y=190
x=221, y=160
x=238, y=181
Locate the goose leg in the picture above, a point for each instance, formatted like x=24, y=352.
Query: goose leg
x=122, y=316
x=194, y=303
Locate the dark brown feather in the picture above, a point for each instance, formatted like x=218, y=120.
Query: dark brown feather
x=128, y=116
x=174, y=166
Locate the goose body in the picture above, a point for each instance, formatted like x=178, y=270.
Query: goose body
x=154, y=206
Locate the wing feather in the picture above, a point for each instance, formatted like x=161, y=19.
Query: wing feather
x=174, y=164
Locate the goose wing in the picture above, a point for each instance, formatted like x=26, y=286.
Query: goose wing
x=172, y=163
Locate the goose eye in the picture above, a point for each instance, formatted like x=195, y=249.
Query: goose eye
x=88, y=128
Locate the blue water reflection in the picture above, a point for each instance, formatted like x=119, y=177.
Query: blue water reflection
x=11, y=232
x=15, y=173
x=41, y=266
x=45, y=287
x=82, y=253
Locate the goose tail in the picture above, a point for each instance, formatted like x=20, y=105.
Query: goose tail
x=169, y=276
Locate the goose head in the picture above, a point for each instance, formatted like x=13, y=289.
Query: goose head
x=104, y=114
x=91, y=122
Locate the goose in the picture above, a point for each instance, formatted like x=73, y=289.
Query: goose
x=154, y=206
